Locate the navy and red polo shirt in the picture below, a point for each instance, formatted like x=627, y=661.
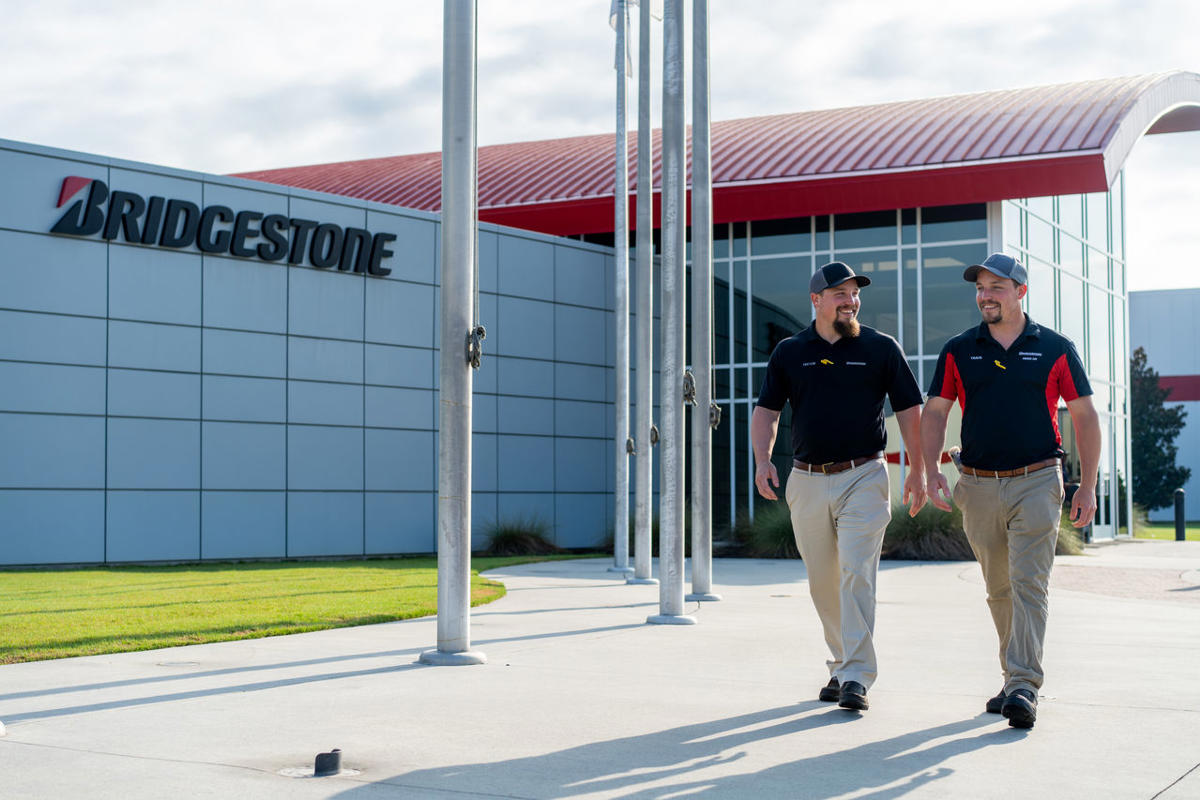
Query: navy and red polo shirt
x=837, y=392
x=1009, y=397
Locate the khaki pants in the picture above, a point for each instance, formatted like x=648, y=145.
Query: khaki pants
x=1012, y=526
x=839, y=521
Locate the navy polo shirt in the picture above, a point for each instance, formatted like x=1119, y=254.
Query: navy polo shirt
x=837, y=392
x=1009, y=397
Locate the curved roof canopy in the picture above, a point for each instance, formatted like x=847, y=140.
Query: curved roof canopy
x=1064, y=139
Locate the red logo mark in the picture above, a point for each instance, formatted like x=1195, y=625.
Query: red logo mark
x=70, y=187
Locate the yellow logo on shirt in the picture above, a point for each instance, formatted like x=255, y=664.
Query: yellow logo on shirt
x=826, y=361
x=998, y=364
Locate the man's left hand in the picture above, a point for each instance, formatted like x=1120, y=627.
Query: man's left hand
x=1083, y=506
x=914, y=491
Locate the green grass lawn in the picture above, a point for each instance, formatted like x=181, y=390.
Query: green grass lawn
x=1166, y=530
x=51, y=613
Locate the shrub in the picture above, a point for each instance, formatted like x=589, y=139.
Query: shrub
x=523, y=536
x=768, y=535
x=932, y=535
x=935, y=535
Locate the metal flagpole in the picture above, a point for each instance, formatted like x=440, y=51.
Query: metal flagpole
x=674, y=207
x=703, y=414
x=459, y=341
x=622, y=442
x=644, y=416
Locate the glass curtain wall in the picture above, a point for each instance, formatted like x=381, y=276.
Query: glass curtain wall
x=914, y=258
x=1074, y=247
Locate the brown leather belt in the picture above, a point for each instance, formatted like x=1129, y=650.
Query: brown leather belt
x=1008, y=473
x=833, y=467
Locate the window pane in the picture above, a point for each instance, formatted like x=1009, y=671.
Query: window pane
x=910, y=340
x=1070, y=214
x=781, y=305
x=721, y=313
x=1120, y=357
x=1098, y=329
x=1097, y=219
x=1012, y=225
x=721, y=499
x=768, y=237
x=739, y=238
x=1117, y=221
x=1042, y=206
x=1071, y=309
x=739, y=312
x=720, y=384
x=1040, y=298
x=1040, y=235
x=949, y=300
x=908, y=222
x=873, y=229
x=822, y=240
x=879, y=299
x=951, y=223
x=1070, y=254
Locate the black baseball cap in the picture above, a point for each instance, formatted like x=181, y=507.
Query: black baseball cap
x=999, y=264
x=833, y=274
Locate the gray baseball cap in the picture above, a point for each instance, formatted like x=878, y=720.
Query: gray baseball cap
x=833, y=274
x=999, y=264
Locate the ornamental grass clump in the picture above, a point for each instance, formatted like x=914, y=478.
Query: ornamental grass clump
x=769, y=534
x=932, y=535
x=521, y=536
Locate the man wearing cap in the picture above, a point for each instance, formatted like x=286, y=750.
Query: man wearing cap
x=836, y=374
x=1008, y=375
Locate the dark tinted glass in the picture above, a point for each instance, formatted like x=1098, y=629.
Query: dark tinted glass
x=879, y=300
x=769, y=237
x=952, y=223
x=781, y=304
x=949, y=301
x=872, y=229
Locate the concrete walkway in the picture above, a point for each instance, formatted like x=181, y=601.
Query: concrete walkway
x=581, y=699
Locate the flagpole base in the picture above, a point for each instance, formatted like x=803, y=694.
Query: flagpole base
x=436, y=658
x=622, y=570
x=702, y=597
x=670, y=619
x=641, y=581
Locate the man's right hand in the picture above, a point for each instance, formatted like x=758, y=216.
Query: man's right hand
x=765, y=476
x=939, y=490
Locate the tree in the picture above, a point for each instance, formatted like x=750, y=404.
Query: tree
x=1153, y=427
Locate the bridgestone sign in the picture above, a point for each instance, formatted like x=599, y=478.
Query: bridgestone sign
x=217, y=229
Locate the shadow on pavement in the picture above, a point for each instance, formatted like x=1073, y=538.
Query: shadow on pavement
x=673, y=762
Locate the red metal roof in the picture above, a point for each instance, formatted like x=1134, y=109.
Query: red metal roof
x=1063, y=139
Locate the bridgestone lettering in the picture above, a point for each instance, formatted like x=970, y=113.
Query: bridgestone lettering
x=219, y=230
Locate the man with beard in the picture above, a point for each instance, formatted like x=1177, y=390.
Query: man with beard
x=1008, y=374
x=836, y=374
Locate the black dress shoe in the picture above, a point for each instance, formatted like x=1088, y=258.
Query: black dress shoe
x=830, y=692
x=996, y=703
x=853, y=696
x=1020, y=707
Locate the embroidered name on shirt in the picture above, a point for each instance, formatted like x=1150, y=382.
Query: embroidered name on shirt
x=977, y=358
x=808, y=364
x=856, y=363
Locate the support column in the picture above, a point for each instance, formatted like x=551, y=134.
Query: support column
x=455, y=378
x=674, y=207
x=644, y=291
x=702, y=311
x=621, y=441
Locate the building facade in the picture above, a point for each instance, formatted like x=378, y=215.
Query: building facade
x=200, y=367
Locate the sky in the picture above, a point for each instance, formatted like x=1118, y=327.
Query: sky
x=220, y=86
